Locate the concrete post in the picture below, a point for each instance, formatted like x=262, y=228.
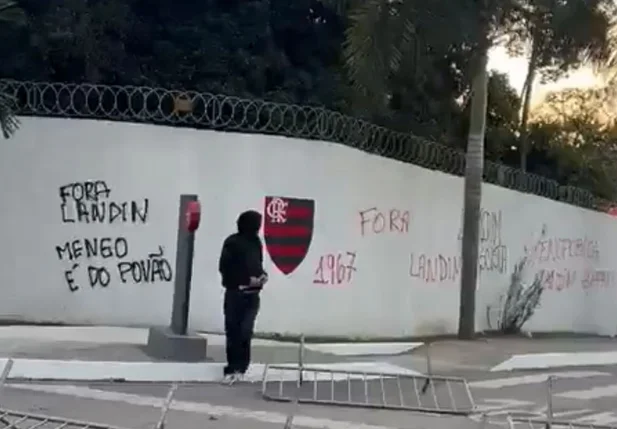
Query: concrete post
x=174, y=342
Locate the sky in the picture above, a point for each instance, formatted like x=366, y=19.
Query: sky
x=516, y=68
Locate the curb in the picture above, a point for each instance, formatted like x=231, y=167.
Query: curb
x=362, y=349
x=111, y=335
x=74, y=370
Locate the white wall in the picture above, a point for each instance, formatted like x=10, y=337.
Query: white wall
x=387, y=295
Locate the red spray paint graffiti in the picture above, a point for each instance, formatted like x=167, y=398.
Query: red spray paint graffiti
x=335, y=269
x=375, y=221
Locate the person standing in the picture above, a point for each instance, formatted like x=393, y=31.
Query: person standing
x=243, y=277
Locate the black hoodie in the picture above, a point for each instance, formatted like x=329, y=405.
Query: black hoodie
x=242, y=253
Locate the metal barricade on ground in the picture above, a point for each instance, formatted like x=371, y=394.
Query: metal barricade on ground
x=519, y=423
x=550, y=422
x=428, y=393
x=447, y=395
x=20, y=420
x=10, y=419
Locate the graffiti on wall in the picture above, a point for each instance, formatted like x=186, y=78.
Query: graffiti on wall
x=104, y=259
x=335, y=269
x=88, y=202
x=568, y=262
x=446, y=268
x=376, y=221
x=493, y=256
x=434, y=269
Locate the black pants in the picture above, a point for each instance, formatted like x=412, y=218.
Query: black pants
x=240, y=311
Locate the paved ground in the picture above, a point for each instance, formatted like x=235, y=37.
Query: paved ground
x=207, y=406
x=448, y=356
x=212, y=405
x=585, y=394
x=216, y=406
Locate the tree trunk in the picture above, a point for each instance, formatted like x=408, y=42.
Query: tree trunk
x=473, y=200
x=526, y=97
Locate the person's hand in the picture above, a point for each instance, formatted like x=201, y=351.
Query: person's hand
x=264, y=278
x=255, y=281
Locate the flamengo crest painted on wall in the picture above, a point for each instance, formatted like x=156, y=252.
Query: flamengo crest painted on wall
x=288, y=230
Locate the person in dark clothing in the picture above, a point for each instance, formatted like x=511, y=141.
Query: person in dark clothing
x=243, y=277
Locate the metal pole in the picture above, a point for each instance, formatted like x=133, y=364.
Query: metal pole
x=296, y=408
x=429, y=369
x=483, y=421
x=8, y=366
x=184, y=270
x=166, y=405
x=301, y=360
x=549, y=402
x=510, y=422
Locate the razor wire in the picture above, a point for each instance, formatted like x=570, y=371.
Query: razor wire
x=229, y=113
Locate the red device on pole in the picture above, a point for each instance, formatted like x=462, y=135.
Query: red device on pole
x=193, y=215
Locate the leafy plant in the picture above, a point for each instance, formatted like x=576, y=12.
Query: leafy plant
x=521, y=301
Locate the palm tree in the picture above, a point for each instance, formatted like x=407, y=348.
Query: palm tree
x=10, y=14
x=609, y=67
x=388, y=37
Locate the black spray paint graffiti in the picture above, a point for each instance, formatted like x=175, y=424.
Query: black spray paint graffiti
x=493, y=254
x=154, y=269
x=87, y=202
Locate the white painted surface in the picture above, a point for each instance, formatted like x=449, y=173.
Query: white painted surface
x=496, y=407
x=87, y=334
x=498, y=383
x=103, y=335
x=591, y=393
x=196, y=407
x=47, y=369
x=363, y=349
x=386, y=296
x=555, y=360
x=139, y=336
x=606, y=418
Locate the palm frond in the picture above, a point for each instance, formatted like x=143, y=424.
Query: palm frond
x=610, y=67
x=9, y=123
x=341, y=7
x=380, y=36
x=10, y=12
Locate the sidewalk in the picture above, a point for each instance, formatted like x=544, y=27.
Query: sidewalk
x=102, y=353
x=82, y=364
x=508, y=353
x=94, y=353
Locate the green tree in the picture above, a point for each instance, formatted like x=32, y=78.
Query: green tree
x=558, y=36
x=578, y=130
x=270, y=49
x=81, y=40
x=502, y=117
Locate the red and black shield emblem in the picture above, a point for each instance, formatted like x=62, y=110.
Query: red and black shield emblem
x=288, y=230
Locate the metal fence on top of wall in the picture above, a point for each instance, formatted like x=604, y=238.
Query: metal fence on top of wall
x=221, y=112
